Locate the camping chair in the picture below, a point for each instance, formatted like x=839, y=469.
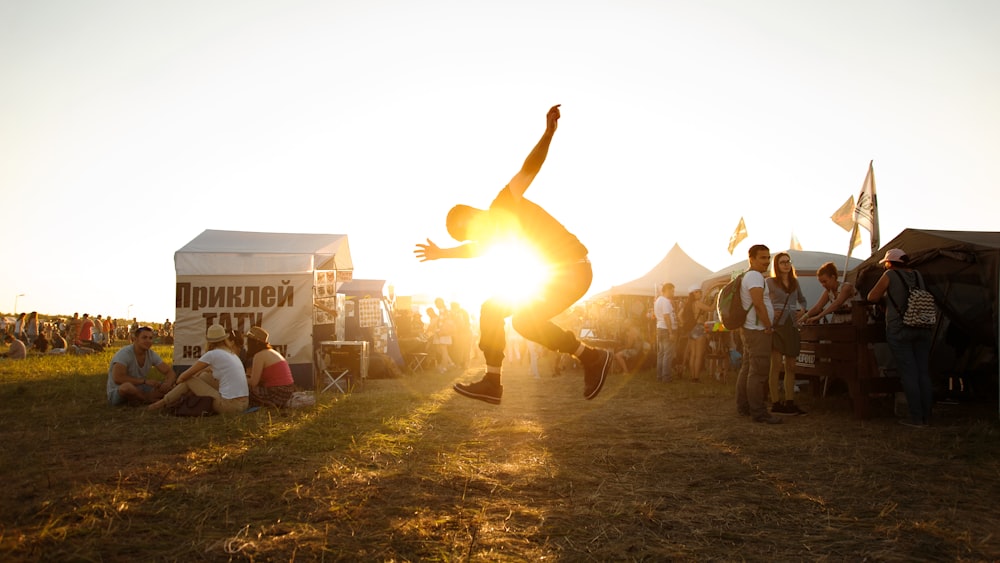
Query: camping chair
x=334, y=374
x=415, y=362
x=415, y=353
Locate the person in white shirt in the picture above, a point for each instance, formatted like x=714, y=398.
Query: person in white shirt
x=751, y=384
x=227, y=384
x=666, y=323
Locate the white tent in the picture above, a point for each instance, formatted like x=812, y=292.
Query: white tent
x=240, y=279
x=676, y=267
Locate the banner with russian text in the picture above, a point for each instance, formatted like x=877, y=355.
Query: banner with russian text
x=281, y=304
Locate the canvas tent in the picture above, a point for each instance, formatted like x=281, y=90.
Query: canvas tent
x=806, y=262
x=240, y=279
x=676, y=267
x=962, y=270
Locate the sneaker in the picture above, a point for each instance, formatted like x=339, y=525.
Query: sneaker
x=765, y=419
x=779, y=408
x=793, y=409
x=485, y=389
x=908, y=422
x=595, y=370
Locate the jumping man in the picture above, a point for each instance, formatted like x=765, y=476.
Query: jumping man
x=511, y=215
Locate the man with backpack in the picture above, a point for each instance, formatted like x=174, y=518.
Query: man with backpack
x=751, y=385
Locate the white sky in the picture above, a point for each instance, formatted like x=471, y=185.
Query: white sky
x=127, y=128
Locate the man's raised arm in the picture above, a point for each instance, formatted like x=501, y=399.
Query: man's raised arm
x=520, y=182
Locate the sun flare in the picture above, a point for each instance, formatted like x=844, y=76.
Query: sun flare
x=523, y=272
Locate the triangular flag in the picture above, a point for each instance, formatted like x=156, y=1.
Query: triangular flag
x=866, y=210
x=857, y=239
x=794, y=244
x=844, y=217
x=738, y=235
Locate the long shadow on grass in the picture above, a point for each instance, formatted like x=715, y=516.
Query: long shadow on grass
x=407, y=470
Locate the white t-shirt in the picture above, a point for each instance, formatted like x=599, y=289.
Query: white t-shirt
x=228, y=370
x=753, y=279
x=662, y=307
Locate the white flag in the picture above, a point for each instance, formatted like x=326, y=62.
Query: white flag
x=866, y=209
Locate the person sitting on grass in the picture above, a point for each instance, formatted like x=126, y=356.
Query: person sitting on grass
x=634, y=348
x=271, y=383
x=128, y=374
x=18, y=351
x=226, y=384
x=57, y=344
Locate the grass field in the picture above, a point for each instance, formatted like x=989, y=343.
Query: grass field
x=406, y=470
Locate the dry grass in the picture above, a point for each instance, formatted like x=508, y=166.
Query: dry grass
x=405, y=470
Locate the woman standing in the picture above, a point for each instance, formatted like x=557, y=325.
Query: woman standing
x=31, y=328
x=227, y=383
x=696, y=311
x=439, y=342
x=911, y=346
x=836, y=299
x=271, y=383
x=19, y=327
x=782, y=286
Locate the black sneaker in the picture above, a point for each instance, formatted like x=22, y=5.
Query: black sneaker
x=779, y=408
x=486, y=389
x=793, y=409
x=595, y=370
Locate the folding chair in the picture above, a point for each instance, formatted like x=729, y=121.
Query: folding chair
x=416, y=361
x=334, y=375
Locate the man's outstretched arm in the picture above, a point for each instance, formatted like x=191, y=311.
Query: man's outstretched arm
x=520, y=182
x=431, y=251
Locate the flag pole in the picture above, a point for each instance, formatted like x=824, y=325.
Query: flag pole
x=850, y=247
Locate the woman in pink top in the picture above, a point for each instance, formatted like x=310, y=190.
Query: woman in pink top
x=271, y=383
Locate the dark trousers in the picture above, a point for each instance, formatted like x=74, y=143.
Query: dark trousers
x=532, y=320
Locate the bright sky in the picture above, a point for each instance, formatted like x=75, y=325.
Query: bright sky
x=127, y=128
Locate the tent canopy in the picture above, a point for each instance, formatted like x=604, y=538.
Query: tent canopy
x=960, y=268
x=676, y=267
x=243, y=252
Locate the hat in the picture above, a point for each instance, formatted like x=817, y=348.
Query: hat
x=216, y=334
x=694, y=288
x=258, y=333
x=894, y=255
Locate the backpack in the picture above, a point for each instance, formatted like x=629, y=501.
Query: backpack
x=729, y=306
x=920, y=312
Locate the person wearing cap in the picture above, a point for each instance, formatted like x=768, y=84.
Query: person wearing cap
x=128, y=374
x=227, y=383
x=835, y=301
x=271, y=383
x=910, y=346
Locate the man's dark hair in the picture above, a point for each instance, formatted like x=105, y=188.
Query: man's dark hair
x=757, y=248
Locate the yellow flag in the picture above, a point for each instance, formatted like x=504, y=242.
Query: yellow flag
x=857, y=239
x=738, y=235
x=794, y=244
x=844, y=217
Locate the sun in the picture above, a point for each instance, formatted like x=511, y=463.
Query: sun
x=522, y=271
